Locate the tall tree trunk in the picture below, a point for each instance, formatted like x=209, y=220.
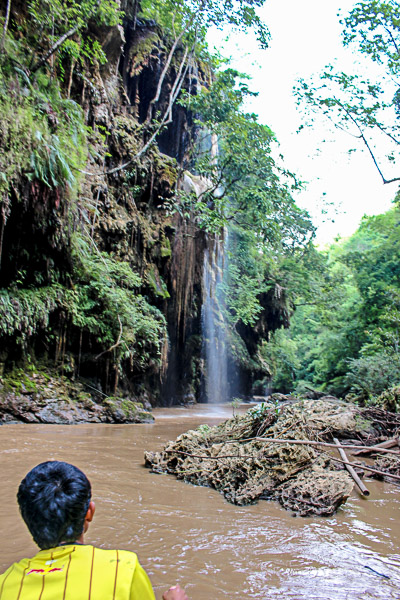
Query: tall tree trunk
x=5, y=26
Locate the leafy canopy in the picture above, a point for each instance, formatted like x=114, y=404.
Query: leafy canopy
x=366, y=108
x=245, y=187
x=194, y=17
x=345, y=333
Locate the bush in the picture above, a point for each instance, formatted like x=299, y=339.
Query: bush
x=369, y=376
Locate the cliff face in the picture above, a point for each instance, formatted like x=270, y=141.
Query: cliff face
x=101, y=276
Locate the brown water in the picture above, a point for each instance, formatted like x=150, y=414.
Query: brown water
x=191, y=535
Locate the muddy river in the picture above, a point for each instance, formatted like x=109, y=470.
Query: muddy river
x=191, y=535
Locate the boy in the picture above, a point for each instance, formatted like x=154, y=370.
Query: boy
x=55, y=502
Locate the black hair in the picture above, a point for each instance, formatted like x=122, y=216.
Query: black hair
x=53, y=499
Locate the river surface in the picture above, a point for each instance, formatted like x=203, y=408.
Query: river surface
x=191, y=535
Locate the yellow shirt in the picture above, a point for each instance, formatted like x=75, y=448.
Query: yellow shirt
x=76, y=572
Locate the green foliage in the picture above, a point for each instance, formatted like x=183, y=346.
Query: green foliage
x=102, y=301
x=280, y=353
x=106, y=303
x=54, y=19
x=373, y=254
x=194, y=17
x=246, y=187
x=244, y=278
x=365, y=108
x=236, y=402
x=260, y=410
x=389, y=399
x=369, y=376
x=24, y=312
x=204, y=430
x=42, y=135
x=375, y=28
x=345, y=333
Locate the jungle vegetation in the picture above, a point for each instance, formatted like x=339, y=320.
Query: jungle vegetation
x=344, y=336
x=74, y=293
x=66, y=290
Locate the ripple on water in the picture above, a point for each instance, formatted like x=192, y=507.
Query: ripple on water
x=192, y=535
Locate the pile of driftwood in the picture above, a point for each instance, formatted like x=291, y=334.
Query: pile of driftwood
x=287, y=453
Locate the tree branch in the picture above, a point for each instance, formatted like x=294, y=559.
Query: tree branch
x=170, y=55
x=363, y=138
x=5, y=26
x=55, y=47
x=392, y=38
x=62, y=39
x=167, y=118
x=117, y=343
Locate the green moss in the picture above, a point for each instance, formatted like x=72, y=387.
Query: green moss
x=166, y=168
x=24, y=311
x=122, y=409
x=157, y=283
x=140, y=52
x=43, y=136
x=127, y=135
x=388, y=400
x=20, y=382
x=362, y=424
x=166, y=251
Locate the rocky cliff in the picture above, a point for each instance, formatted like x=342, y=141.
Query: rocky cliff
x=101, y=272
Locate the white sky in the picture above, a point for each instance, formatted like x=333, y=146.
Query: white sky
x=306, y=37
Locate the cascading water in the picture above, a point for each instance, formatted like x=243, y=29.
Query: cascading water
x=214, y=347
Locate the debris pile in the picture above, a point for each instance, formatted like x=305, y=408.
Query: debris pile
x=247, y=457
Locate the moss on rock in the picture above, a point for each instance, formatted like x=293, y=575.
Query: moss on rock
x=123, y=410
x=38, y=396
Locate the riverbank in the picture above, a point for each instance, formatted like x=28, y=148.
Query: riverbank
x=33, y=396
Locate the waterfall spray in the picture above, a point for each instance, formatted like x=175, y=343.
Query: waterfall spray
x=213, y=324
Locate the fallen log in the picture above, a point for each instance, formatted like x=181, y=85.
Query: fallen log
x=365, y=468
x=363, y=488
x=369, y=449
x=311, y=443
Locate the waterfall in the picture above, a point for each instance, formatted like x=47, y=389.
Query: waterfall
x=214, y=346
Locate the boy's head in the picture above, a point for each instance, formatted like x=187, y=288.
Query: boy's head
x=54, y=499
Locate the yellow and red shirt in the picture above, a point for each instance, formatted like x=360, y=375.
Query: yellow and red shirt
x=77, y=572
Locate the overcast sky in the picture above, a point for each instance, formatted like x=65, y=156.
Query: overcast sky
x=306, y=37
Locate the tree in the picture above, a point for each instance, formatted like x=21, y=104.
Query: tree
x=368, y=110
x=245, y=186
x=60, y=23
x=344, y=335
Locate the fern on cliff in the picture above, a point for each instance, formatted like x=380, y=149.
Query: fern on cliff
x=105, y=301
x=102, y=299
x=42, y=134
x=23, y=312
